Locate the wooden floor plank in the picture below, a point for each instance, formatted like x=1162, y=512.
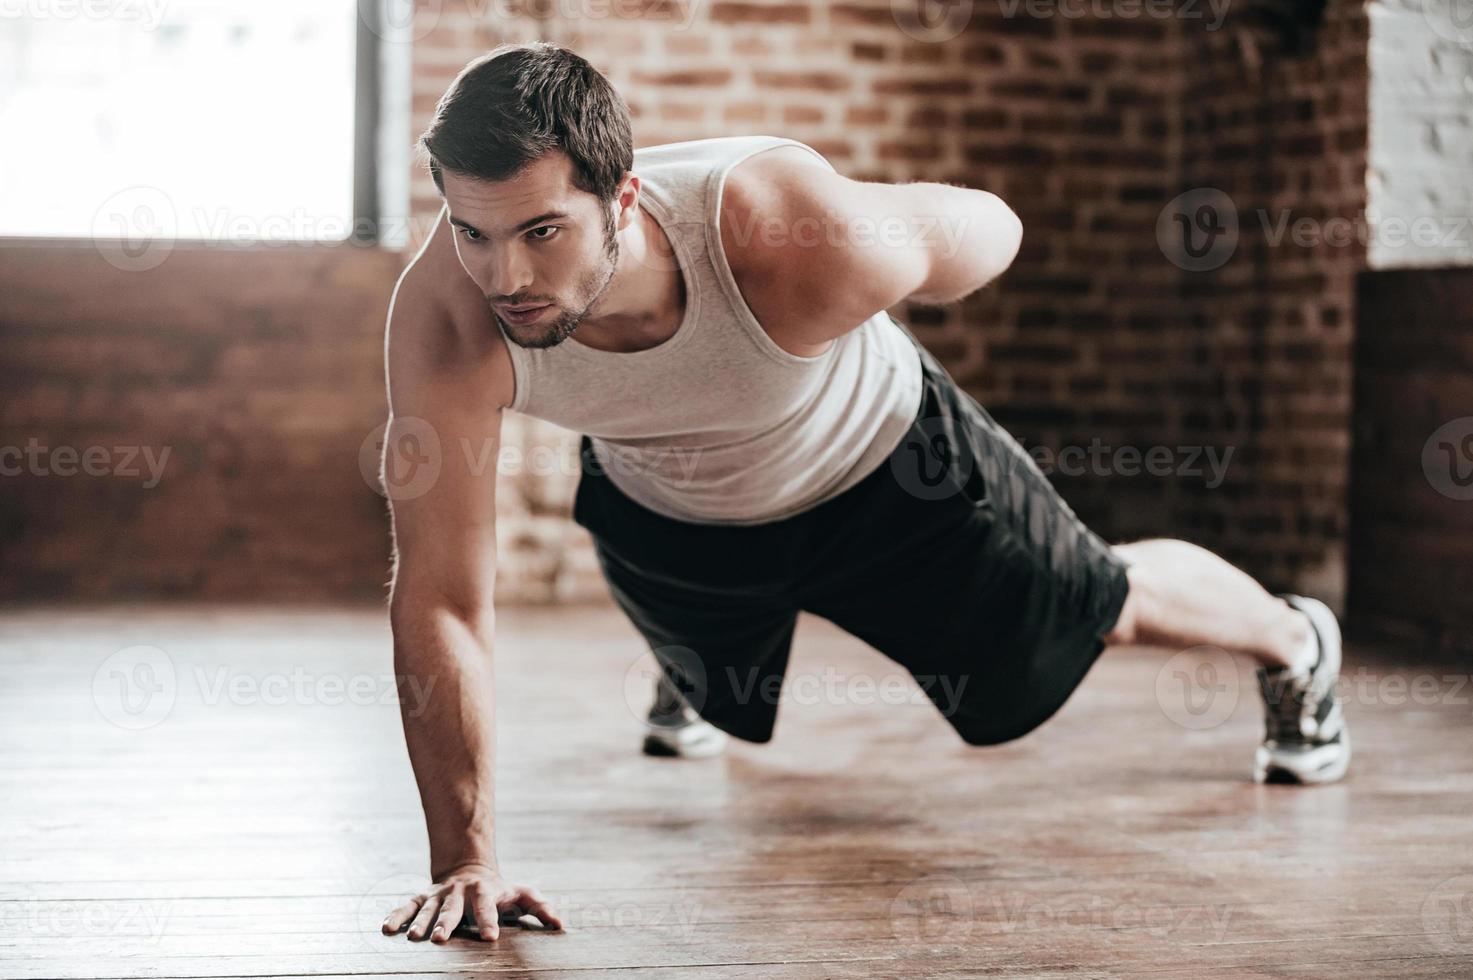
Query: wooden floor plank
x=266, y=822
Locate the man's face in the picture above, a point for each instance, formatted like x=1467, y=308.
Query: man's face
x=534, y=240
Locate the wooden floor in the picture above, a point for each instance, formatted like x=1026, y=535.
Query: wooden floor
x=237, y=802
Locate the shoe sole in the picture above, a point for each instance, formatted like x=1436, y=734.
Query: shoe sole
x=683, y=744
x=1268, y=770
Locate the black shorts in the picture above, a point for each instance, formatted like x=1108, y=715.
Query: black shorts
x=955, y=558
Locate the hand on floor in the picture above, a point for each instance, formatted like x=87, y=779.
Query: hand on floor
x=471, y=891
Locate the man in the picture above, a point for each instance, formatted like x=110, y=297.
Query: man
x=759, y=437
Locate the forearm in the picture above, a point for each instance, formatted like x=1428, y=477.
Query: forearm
x=447, y=705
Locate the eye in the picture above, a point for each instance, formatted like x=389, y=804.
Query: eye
x=470, y=234
x=542, y=238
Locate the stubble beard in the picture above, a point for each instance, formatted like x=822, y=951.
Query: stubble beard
x=563, y=325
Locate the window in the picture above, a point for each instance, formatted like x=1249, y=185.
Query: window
x=222, y=120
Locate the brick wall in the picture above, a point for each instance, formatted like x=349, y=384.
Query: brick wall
x=1101, y=342
x=192, y=429
x=1264, y=363
x=1097, y=348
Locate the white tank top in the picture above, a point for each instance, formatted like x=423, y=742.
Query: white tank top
x=718, y=424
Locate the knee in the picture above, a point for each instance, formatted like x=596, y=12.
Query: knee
x=990, y=731
x=1129, y=624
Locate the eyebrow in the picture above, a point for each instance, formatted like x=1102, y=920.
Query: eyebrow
x=529, y=223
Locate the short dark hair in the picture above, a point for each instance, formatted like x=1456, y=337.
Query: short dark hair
x=510, y=106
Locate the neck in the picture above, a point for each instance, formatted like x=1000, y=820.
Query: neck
x=645, y=300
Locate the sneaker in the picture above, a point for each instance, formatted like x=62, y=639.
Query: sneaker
x=674, y=728
x=1305, y=740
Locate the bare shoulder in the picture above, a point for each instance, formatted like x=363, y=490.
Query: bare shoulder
x=441, y=332
x=793, y=232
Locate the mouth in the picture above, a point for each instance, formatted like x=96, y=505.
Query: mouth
x=523, y=314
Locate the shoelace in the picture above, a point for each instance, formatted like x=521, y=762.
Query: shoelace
x=1292, y=706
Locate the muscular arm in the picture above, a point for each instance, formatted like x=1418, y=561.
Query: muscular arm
x=830, y=252
x=448, y=383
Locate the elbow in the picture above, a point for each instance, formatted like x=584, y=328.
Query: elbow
x=416, y=617
x=980, y=252
x=1006, y=238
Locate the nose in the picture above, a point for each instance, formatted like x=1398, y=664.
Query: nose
x=506, y=275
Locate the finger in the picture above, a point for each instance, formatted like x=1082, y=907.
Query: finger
x=531, y=902
x=486, y=917
x=401, y=915
x=421, y=924
x=449, y=917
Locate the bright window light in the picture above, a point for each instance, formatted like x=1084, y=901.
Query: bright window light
x=225, y=120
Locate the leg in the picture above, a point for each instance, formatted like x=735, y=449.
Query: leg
x=1182, y=595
